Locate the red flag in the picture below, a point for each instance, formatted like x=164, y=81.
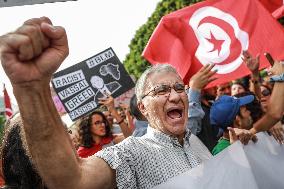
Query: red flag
x=275, y=7
x=217, y=32
x=278, y=13
x=7, y=102
x=271, y=5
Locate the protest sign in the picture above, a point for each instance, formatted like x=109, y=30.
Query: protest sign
x=254, y=166
x=79, y=86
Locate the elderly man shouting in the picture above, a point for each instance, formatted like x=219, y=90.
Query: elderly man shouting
x=30, y=56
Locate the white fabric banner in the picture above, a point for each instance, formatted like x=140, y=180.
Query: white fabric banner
x=254, y=166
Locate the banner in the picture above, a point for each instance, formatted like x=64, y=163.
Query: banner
x=10, y=3
x=79, y=86
x=254, y=166
x=216, y=31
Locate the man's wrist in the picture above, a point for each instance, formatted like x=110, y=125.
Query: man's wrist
x=120, y=121
x=253, y=131
x=111, y=109
x=32, y=85
x=195, y=88
x=254, y=81
x=31, y=89
x=255, y=75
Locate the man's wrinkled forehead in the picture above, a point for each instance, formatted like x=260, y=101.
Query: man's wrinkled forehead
x=160, y=78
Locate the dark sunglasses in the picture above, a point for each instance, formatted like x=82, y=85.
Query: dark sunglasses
x=265, y=92
x=165, y=89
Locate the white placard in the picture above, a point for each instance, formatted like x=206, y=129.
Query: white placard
x=254, y=166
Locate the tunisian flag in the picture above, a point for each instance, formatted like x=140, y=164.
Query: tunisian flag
x=7, y=102
x=216, y=32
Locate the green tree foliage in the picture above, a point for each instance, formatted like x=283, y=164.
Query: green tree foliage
x=2, y=122
x=281, y=20
x=134, y=63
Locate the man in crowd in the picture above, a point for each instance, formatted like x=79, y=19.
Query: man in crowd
x=140, y=121
x=224, y=89
x=227, y=112
x=30, y=56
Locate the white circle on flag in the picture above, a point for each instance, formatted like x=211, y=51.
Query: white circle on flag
x=204, y=31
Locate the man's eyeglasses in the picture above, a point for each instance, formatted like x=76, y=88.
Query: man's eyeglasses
x=98, y=123
x=165, y=89
x=265, y=92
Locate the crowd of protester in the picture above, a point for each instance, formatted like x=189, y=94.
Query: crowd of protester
x=134, y=138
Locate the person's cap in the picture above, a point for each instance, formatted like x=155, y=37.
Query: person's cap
x=225, y=109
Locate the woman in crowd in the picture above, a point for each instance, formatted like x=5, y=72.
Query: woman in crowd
x=265, y=95
x=95, y=134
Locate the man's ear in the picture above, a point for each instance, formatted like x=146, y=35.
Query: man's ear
x=142, y=108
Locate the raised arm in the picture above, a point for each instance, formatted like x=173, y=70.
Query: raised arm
x=276, y=103
x=128, y=115
x=109, y=103
x=30, y=56
x=253, y=65
x=196, y=84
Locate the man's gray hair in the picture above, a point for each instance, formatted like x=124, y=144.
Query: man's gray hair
x=142, y=81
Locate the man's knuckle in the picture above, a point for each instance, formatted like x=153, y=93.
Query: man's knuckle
x=32, y=21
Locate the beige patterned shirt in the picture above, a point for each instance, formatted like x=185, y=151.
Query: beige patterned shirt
x=147, y=161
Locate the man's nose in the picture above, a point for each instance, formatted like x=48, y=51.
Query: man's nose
x=174, y=96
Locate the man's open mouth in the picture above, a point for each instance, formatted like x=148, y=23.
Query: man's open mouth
x=175, y=113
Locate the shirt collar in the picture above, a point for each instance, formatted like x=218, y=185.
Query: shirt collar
x=164, y=138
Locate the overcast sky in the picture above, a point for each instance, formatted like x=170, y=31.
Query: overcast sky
x=91, y=25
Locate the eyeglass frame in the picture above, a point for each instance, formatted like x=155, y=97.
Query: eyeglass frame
x=169, y=89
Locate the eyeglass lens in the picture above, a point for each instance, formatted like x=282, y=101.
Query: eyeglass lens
x=265, y=92
x=164, y=89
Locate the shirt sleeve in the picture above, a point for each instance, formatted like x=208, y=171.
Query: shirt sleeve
x=119, y=158
x=195, y=112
